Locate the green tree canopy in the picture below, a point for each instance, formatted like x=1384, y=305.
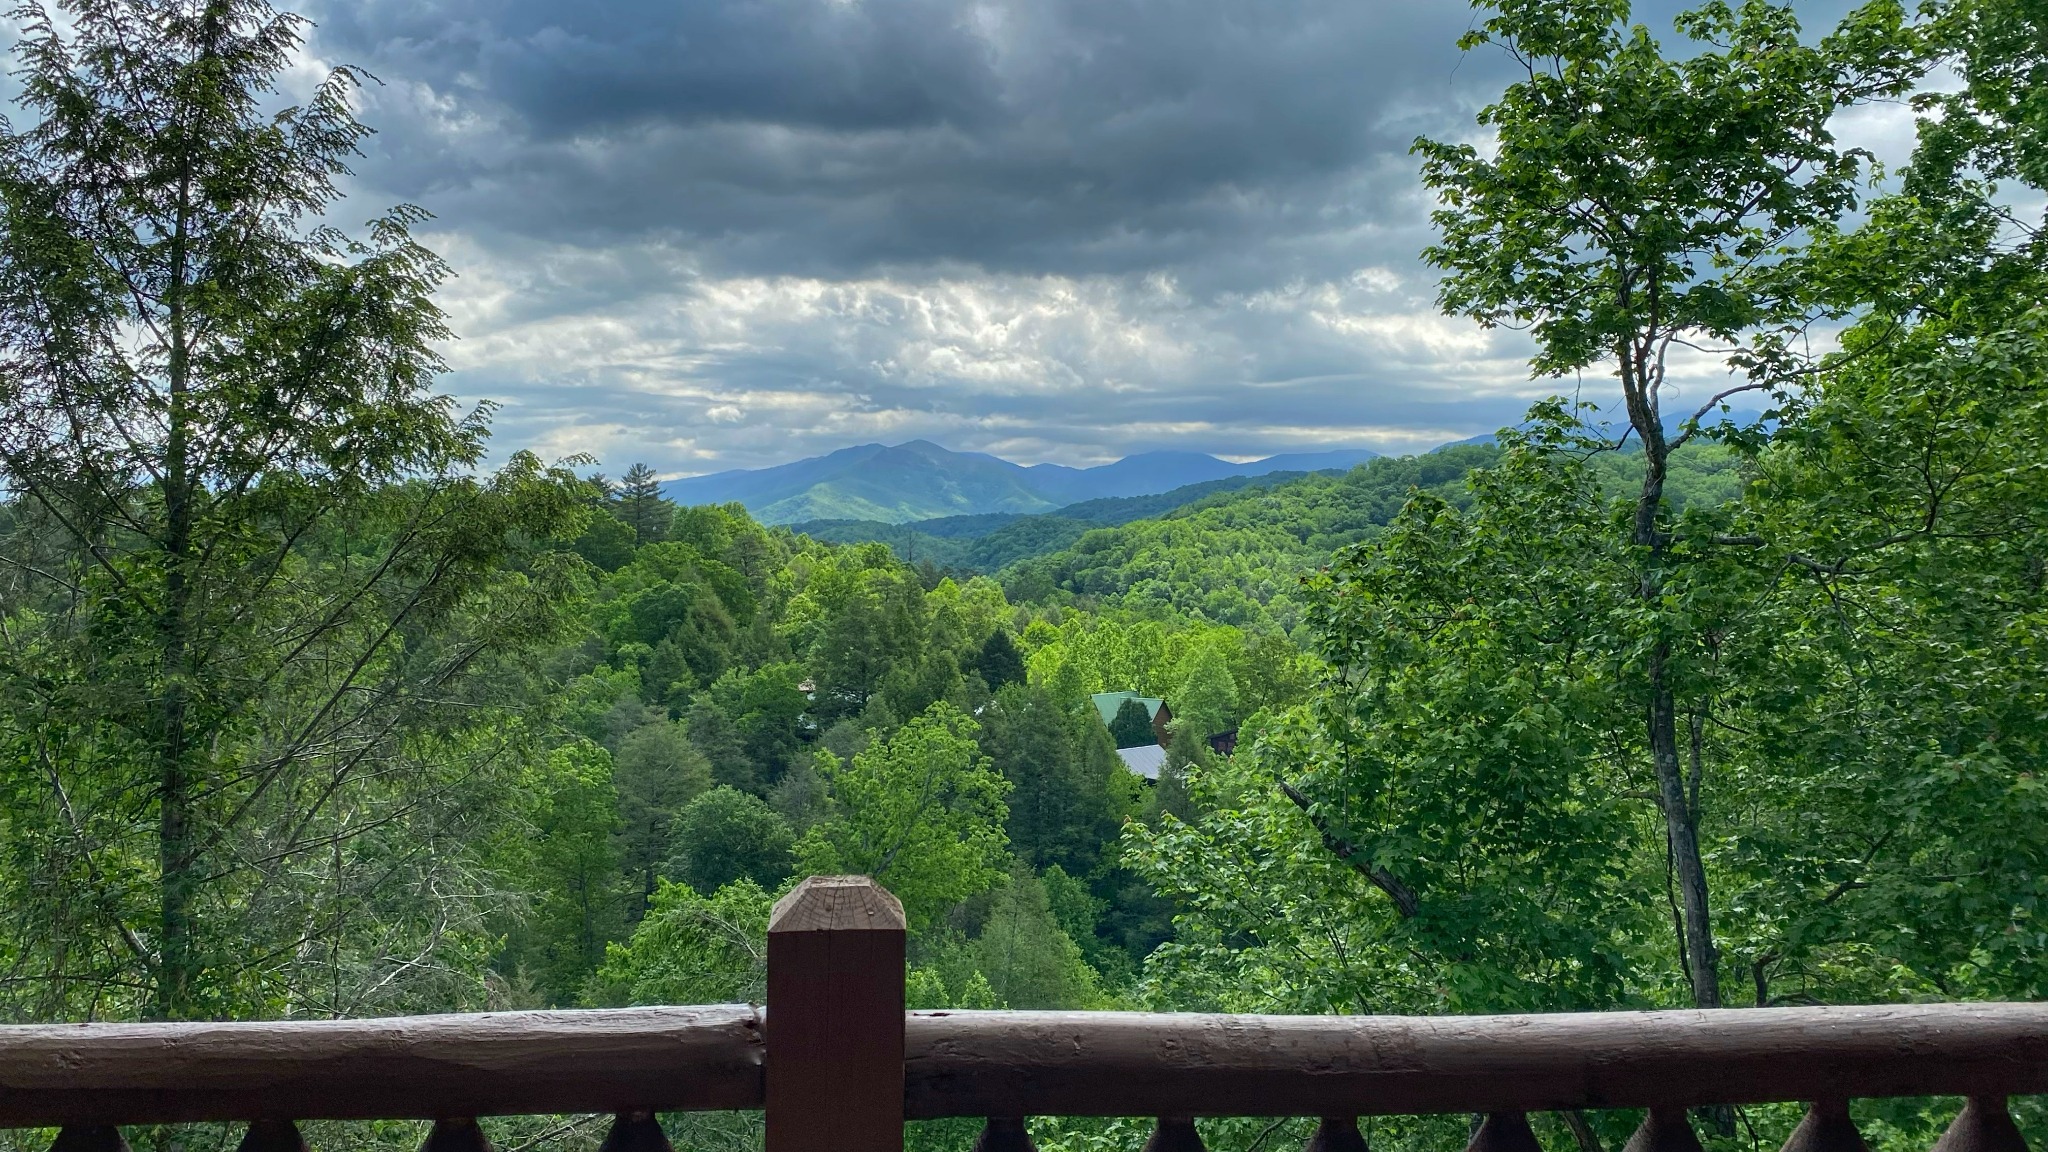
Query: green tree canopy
x=565, y=858
x=641, y=505
x=658, y=772
x=725, y=835
x=922, y=812
x=691, y=949
x=1069, y=793
x=1028, y=960
x=253, y=573
x=1626, y=204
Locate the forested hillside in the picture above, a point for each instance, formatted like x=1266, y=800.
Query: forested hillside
x=313, y=704
x=994, y=540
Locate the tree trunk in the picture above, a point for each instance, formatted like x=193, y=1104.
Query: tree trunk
x=1661, y=714
x=177, y=963
x=1701, y=961
x=178, y=877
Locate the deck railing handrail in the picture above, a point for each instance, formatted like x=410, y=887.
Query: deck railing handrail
x=1020, y=1063
x=393, y=1068
x=1184, y=1064
x=840, y=1064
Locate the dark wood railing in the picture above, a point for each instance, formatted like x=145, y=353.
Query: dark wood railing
x=850, y=1065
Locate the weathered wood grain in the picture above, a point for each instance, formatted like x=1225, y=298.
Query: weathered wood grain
x=1134, y=1064
x=1007, y=1064
x=837, y=904
x=412, y=1067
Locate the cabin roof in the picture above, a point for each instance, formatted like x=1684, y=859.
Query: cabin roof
x=1145, y=760
x=1107, y=703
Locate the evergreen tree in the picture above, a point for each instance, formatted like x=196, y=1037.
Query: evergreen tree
x=1028, y=960
x=658, y=772
x=999, y=662
x=641, y=505
x=1068, y=788
x=254, y=574
x=1131, y=727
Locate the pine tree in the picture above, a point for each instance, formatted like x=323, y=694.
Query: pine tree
x=1132, y=725
x=253, y=567
x=642, y=506
x=999, y=661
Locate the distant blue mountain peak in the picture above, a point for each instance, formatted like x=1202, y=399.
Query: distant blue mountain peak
x=919, y=480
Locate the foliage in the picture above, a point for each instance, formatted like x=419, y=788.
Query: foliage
x=999, y=663
x=1028, y=960
x=922, y=812
x=1068, y=792
x=640, y=505
x=658, y=772
x=1632, y=201
x=259, y=601
x=564, y=857
x=1131, y=727
x=691, y=949
x=306, y=715
x=1235, y=557
x=726, y=835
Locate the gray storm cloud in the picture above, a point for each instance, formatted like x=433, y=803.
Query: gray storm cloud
x=723, y=234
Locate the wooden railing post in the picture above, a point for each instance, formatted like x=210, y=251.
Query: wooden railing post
x=834, y=1024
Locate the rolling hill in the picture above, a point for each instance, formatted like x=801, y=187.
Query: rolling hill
x=986, y=542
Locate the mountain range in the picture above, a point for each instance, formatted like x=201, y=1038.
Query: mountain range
x=920, y=480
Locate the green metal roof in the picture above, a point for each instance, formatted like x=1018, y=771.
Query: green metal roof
x=1107, y=703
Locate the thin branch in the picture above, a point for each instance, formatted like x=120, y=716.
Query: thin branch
x=1404, y=898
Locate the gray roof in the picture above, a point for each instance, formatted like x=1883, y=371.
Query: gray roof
x=1146, y=760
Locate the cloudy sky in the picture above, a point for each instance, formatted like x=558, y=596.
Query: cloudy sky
x=726, y=233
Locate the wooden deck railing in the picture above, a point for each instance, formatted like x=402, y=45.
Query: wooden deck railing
x=839, y=1065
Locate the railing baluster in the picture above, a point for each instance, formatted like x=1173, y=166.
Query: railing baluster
x=1504, y=1132
x=459, y=1134
x=1984, y=1125
x=89, y=1138
x=1826, y=1128
x=1336, y=1134
x=1664, y=1130
x=1175, y=1134
x=272, y=1136
x=635, y=1132
x=1004, y=1134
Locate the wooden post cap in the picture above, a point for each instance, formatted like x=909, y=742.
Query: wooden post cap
x=837, y=904
x=834, y=1025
